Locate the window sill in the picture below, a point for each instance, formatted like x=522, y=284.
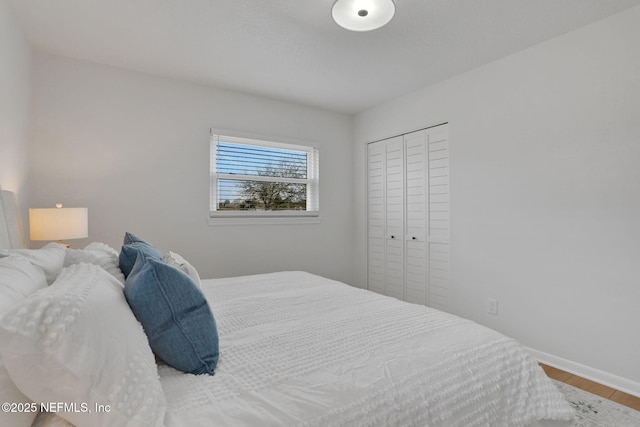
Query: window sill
x=263, y=218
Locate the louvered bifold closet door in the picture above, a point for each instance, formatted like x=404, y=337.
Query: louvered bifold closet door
x=394, y=217
x=416, y=189
x=375, y=214
x=439, y=217
x=408, y=217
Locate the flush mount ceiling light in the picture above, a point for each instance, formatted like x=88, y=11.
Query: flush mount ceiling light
x=363, y=15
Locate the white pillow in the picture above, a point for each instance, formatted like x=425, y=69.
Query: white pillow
x=19, y=278
x=98, y=254
x=9, y=393
x=49, y=258
x=101, y=247
x=76, y=256
x=175, y=260
x=77, y=341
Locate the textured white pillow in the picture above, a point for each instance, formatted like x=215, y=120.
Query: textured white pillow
x=175, y=260
x=78, y=342
x=19, y=278
x=76, y=256
x=101, y=247
x=98, y=254
x=50, y=258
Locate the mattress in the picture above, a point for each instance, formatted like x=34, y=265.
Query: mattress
x=301, y=350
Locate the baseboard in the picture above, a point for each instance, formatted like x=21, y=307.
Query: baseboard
x=601, y=377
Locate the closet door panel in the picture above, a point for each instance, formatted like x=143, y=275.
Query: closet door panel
x=394, y=163
x=375, y=218
x=416, y=184
x=439, y=217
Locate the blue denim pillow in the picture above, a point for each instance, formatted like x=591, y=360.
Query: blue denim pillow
x=175, y=316
x=132, y=238
x=129, y=255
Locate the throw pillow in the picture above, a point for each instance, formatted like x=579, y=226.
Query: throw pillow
x=174, y=314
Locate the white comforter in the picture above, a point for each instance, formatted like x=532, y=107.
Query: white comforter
x=300, y=350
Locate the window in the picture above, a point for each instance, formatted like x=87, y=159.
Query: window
x=264, y=179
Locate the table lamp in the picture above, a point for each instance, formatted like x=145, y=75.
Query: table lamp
x=58, y=223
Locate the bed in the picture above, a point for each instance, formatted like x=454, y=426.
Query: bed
x=296, y=349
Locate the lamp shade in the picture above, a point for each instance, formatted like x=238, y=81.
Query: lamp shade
x=58, y=223
x=363, y=15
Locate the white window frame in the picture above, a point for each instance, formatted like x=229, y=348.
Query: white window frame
x=309, y=216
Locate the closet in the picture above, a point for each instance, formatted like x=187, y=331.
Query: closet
x=408, y=216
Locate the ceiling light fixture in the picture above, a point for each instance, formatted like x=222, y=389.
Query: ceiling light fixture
x=363, y=15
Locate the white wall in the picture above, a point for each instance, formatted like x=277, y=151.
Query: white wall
x=134, y=149
x=545, y=191
x=15, y=100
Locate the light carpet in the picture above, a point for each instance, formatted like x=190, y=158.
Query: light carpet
x=595, y=411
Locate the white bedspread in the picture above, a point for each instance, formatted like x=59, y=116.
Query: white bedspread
x=300, y=350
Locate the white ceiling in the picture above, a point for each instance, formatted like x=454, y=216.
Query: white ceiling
x=292, y=50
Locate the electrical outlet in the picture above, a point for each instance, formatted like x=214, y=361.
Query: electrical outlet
x=492, y=306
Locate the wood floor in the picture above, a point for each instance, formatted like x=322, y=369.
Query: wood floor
x=592, y=387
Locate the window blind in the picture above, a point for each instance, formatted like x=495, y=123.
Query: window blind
x=261, y=177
